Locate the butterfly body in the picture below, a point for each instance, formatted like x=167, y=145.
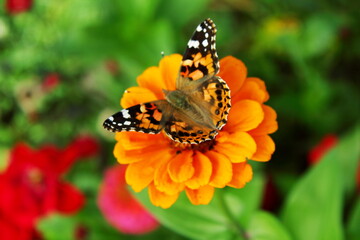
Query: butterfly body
x=197, y=109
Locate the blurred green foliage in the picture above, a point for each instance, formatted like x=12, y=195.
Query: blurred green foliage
x=307, y=52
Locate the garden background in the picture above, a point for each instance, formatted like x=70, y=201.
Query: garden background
x=64, y=66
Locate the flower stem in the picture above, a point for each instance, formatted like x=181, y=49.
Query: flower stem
x=234, y=222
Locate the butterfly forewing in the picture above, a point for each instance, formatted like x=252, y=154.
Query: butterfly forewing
x=145, y=117
x=200, y=58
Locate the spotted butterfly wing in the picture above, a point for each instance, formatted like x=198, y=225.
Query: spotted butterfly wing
x=200, y=59
x=145, y=117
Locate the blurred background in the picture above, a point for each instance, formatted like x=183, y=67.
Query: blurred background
x=65, y=64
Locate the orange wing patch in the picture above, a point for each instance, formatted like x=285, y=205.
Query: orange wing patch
x=200, y=58
x=145, y=117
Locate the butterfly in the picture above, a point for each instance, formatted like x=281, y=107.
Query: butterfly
x=197, y=109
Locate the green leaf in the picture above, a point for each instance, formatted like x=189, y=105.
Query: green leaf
x=319, y=34
x=196, y=222
x=57, y=227
x=313, y=209
x=353, y=229
x=217, y=220
x=244, y=202
x=264, y=226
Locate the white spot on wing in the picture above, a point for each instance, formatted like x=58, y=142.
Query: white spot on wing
x=125, y=113
x=193, y=43
x=127, y=123
x=205, y=43
x=111, y=118
x=199, y=28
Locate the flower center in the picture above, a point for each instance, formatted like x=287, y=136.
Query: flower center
x=201, y=147
x=35, y=176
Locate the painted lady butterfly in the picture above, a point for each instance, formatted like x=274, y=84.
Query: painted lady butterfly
x=197, y=109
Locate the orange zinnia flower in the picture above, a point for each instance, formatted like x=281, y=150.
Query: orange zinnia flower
x=168, y=168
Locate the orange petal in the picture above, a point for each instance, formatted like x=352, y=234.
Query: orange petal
x=238, y=146
x=181, y=168
x=136, y=140
x=137, y=95
x=268, y=125
x=161, y=199
x=134, y=147
x=222, y=169
x=244, y=116
x=202, y=195
x=234, y=72
x=253, y=89
x=164, y=183
x=140, y=174
x=203, y=170
x=242, y=174
x=152, y=79
x=265, y=148
x=169, y=68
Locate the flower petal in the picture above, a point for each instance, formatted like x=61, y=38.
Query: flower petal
x=134, y=147
x=152, y=79
x=136, y=95
x=140, y=174
x=238, y=146
x=253, y=89
x=202, y=195
x=169, y=68
x=242, y=173
x=268, y=125
x=245, y=115
x=222, y=169
x=161, y=199
x=203, y=171
x=234, y=72
x=70, y=199
x=181, y=168
x=265, y=148
x=164, y=183
x=119, y=207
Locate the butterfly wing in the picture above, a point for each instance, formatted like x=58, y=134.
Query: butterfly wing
x=200, y=58
x=215, y=95
x=211, y=104
x=187, y=131
x=145, y=117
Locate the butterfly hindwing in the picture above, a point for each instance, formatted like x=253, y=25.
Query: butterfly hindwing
x=217, y=94
x=200, y=58
x=185, y=132
x=145, y=117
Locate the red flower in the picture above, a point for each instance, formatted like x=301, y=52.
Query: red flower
x=50, y=82
x=31, y=187
x=18, y=6
x=326, y=144
x=119, y=207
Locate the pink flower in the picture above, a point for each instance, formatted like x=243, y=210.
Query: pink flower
x=120, y=208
